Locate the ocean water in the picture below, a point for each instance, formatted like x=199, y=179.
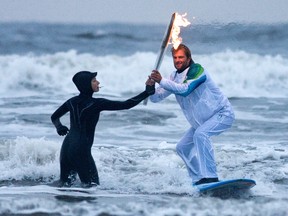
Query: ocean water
x=140, y=172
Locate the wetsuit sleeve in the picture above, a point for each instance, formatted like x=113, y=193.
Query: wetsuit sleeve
x=195, y=76
x=121, y=105
x=55, y=117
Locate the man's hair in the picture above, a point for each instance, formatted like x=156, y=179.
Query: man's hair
x=184, y=48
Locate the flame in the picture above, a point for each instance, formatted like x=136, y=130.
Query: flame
x=180, y=21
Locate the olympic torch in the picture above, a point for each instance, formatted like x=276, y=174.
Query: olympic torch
x=165, y=41
x=172, y=33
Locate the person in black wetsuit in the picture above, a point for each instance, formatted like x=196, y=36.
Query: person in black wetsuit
x=75, y=155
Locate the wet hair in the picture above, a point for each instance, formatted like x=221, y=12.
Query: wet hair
x=184, y=48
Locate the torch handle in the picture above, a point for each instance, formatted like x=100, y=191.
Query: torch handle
x=163, y=47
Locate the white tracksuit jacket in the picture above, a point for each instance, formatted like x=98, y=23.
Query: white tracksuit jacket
x=207, y=110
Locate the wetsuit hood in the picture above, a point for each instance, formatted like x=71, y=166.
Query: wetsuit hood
x=82, y=80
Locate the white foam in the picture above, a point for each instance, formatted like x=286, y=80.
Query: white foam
x=29, y=158
x=238, y=73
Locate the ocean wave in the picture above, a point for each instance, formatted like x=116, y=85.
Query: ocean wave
x=126, y=169
x=107, y=36
x=238, y=73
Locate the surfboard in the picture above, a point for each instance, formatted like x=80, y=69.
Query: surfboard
x=77, y=190
x=226, y=187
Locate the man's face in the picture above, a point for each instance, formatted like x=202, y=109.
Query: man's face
x=180, y=60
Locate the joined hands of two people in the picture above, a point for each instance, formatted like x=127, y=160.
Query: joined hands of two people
x=155, y=76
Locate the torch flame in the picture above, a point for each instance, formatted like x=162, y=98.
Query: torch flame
x=180, y=20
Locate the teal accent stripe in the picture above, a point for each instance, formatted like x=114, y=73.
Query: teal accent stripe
x=193, y=85
x=194, y=72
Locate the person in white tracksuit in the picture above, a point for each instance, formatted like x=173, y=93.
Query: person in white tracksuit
x=205, y=107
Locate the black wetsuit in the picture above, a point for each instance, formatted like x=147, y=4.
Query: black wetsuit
x=75, y=156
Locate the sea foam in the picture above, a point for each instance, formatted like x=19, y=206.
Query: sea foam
x=238, y=73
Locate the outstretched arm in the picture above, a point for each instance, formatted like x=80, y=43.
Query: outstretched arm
x=127, y=104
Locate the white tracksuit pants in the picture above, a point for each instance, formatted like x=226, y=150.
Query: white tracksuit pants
x=196, y=150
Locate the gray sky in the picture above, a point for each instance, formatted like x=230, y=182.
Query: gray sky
x=144, y=11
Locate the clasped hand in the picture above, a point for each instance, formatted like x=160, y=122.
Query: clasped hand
x=155, y=76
